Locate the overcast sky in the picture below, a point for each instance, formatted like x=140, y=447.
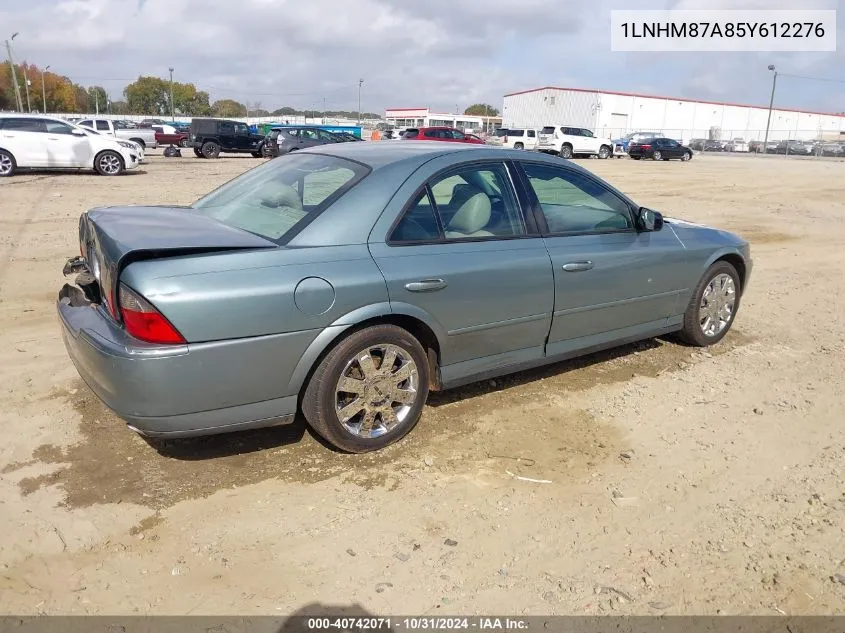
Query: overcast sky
x=411, y=53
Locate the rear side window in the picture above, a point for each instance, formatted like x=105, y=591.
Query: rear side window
x=277, y=198
x=517, y=133
x=104, y=126
x=23, y=124
x=412, y=133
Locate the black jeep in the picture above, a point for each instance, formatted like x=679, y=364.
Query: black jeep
x=209, y=137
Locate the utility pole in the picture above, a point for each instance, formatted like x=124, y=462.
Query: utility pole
x=771, y=103
x=324, y=110
x=26, y=85
x=360, y=83
x=14, y=74
x=97, y=101
x=44, y=90
x=172, y=109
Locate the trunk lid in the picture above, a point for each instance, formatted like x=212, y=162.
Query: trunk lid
x=112, y=237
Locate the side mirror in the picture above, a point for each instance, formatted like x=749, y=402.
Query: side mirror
x=648, y=220
x=77, y=132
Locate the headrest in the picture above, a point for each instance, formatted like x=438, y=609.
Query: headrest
x=473, y=215
x=278, y=194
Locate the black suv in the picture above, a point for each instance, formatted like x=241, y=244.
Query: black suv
x=281, y=140
x=209, y=137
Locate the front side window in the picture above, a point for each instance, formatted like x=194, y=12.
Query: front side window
x=587, y=133
x=574, y=203
x=473, y=202
x=241, y=128
x=103, y=126
x=280, y=196
x=87, y=123
x=532, y=134
x=57, y=127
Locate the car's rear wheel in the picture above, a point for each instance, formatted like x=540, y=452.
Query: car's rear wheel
x=210, y=149
x=7, y=164
x=566, y=151
x=636, y=157
x=604, y=152
x=658, y=156
x=109, y=163
x=369, y=390
x=518, y=146
x=686, y=156
x=713, y=306
x=183, y=143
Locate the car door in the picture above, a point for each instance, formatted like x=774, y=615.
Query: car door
x=244, y=138
x=455, y=248
x=674, y=149
x=226, y=133
x=22, y=137
x=531, y=139
x=611, y=280
x=63, y=148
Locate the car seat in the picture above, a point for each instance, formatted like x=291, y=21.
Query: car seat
x=471, y=217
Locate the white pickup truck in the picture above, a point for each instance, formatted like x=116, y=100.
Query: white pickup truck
x=573, y=141
x=145, y=137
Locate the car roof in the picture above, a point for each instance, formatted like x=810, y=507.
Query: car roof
x=377, y=154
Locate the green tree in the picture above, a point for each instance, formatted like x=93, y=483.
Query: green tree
x=97, y=97
x=286, y=111
x=188, y=100
x=148, y=95
x=228, y=108
x=481, y=109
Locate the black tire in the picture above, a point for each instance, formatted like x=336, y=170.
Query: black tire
x=636, y=157
x=210, y=149
x=605, y=152
x=566, y=151
x=518, y=146
x=657, y=155
x=8, y=164
x=183, y=143
x=692, y=332
x=320, y=399
x=687, y=156
x=140, y=142
x=198, y=153
x=109, y=163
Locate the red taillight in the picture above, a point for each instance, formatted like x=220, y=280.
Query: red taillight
x=645, y=146
x=144, y=322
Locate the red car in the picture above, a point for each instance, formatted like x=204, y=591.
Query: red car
x=448, y=134
x=168, y=135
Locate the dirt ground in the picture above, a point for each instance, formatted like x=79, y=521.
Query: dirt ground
x=679, y=481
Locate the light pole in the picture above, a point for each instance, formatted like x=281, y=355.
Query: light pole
x=14, y=74
x=771, y=103
x=172, y=109
x=360, y=83
x=26, y=86
x=43, y=89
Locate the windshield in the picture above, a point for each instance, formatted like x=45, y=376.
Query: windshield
x=273, y=200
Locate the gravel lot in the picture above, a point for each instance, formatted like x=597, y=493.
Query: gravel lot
x=682, y=481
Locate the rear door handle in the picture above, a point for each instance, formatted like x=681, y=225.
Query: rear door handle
x=575, y=267
x=425, y=285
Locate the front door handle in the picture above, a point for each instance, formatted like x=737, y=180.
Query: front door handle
x=425, y=285
x=575, y=267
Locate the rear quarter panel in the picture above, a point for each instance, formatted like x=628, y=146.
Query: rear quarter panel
x=244, y=294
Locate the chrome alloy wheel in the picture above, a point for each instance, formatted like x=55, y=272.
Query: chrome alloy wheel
x=717, y=305
x=5, y=164
x=376, y=390
x=109, y=163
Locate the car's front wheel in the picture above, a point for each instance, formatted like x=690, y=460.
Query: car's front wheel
x=109, y=163
x=210, y=149
x=686, y=156
x=713, y=306
x=7, y=164
x=604, y=152
x=369, y=390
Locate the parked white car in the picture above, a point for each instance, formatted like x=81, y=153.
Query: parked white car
x=145, y=137
x=40, y=142
x=736, y=145
x=573, y=141
x=520, y=138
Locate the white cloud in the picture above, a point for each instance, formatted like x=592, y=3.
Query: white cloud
x=436, y=53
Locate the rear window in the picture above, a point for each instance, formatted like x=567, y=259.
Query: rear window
x=549, y=129
x=279, y=197
x=410, y=133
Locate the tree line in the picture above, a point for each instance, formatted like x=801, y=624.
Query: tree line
x=145, y=95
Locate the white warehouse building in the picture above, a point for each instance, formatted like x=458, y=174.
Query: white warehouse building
x=614, y=114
